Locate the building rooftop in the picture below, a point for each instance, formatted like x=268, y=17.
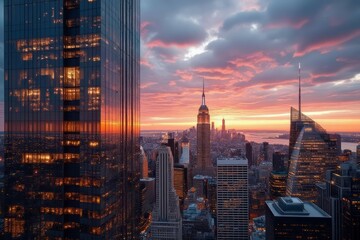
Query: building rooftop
x=201, y=177
x=294, y=207
x=149, y=179
x=232, y=161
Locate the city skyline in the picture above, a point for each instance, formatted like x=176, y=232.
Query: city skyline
x=248, y=53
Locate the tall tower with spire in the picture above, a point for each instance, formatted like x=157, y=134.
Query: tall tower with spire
x=299, y=92
x=296, y=120
x=203, y=164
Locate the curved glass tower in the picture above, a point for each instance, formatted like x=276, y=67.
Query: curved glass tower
x=314, y=152
x=71, y=119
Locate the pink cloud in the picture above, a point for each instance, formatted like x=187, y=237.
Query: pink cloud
x=145, y=62
x=327, y=45
x=225, y=71
x=184, y=75
x=159, y=43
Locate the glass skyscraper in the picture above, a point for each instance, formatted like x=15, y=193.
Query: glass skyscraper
x=314, y=152
x=71, y=119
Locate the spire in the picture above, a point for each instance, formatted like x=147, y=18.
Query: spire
x=203, y=94
x=300, y=92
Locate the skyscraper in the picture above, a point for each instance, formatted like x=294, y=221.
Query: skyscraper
x=339, y=196
x=167, y=222
x=277, y=184
x=72, y=119
x=181, y=181
x=358, y=154
x=291, y=218
x=278, y=161
x=232, y=198
x=314, y=152
x=185, y=151
x=204, y=165
x=223, y=129
x=249, y=153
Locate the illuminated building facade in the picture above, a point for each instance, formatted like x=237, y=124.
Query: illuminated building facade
x=71, y=119
x=291, y=218
x=277, y=183
x=166, y=221
x=232, y=199
x=313, y=154
x=339, y=196
x=181, y=181
x=211, y=195
x=204, y=164
x=358, y=154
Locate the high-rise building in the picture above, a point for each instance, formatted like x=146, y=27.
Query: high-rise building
x=339, y=196
x=72, y=119
x=265, y=151
x=204, y=164
x=185, y=151
x=181, y=181
x=291, y=218
x=277, y=184
x=313, y=154
x=358, y=154
x=232, y=198
x=223, y=129
x=211, y=195
x=278, y=161
x=351, y=217
x=200, y=183
x=173, y=146
x=249, y=153
x=213, y=129
x=166, y=221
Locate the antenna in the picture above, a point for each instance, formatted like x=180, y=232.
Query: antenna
x=299, y=91
x=203, y=94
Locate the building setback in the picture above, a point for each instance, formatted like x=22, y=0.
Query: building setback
x=71, y=119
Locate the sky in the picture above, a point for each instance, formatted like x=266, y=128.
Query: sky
x=248, y=53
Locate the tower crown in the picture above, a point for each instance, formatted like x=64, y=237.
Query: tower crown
x=203, y=108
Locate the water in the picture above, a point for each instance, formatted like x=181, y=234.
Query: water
x=271, y=137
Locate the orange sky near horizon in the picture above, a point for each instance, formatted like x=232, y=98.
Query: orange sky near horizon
x=248, y=52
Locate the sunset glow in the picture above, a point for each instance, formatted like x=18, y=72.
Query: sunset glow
x=248, y=53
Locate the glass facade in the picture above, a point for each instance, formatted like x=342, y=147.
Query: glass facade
x=313, y=153
x=71, y=119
